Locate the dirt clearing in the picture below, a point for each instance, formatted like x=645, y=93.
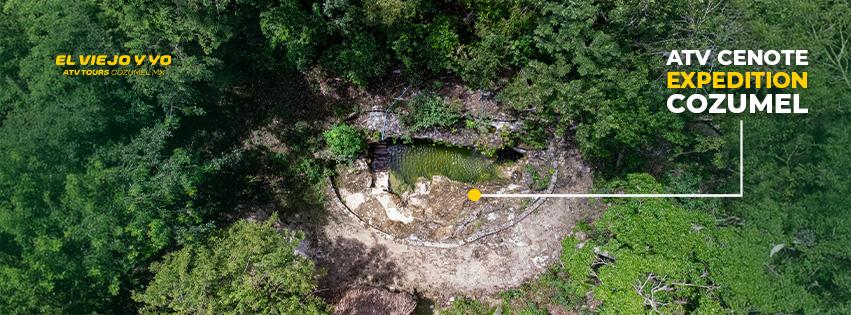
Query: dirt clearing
x=354, y=254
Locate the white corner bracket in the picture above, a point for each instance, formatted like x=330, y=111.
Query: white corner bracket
x=735, y=195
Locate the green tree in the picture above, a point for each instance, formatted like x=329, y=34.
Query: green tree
x=298, y=30
x=358, y=59
x=596, y=70
x=344, y=141
x=331, y=33
x=794, y=215
x=50, y=126
x=80, y=244
x=251, y=268
x=659, y=255
x=93, y=182
x=654, y=254
x=428, y=48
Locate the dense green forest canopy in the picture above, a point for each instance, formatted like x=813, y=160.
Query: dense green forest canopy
x=279, y=280
x=109, y=184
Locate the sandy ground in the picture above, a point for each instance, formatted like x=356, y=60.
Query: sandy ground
x=352, y=253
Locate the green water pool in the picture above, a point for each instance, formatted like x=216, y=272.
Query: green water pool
x=410, y=162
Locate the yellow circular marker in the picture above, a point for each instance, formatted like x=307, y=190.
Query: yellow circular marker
x=474, y=194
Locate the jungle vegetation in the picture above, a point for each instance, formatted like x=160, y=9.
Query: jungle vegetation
x=116, y=191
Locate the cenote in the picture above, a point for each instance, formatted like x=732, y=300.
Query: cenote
x=408, y=162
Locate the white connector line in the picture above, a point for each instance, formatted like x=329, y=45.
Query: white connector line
x=738, y=195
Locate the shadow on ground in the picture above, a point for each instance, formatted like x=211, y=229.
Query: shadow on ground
x=347, y=262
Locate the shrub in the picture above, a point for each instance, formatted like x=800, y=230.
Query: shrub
x=344, y=141
x=428, y=110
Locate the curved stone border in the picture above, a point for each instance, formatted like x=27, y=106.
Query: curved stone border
x=332, y=189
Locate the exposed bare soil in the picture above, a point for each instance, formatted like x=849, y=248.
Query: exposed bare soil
x=353, y=253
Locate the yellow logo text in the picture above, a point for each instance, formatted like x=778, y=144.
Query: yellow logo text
x=113, y=60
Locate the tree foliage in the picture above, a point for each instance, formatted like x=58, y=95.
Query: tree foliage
x=251, y=268
x=344, y=141
x=100, y=176
x=653, y=254
x=429, y=111
x=93, y=182
x=656, y=255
